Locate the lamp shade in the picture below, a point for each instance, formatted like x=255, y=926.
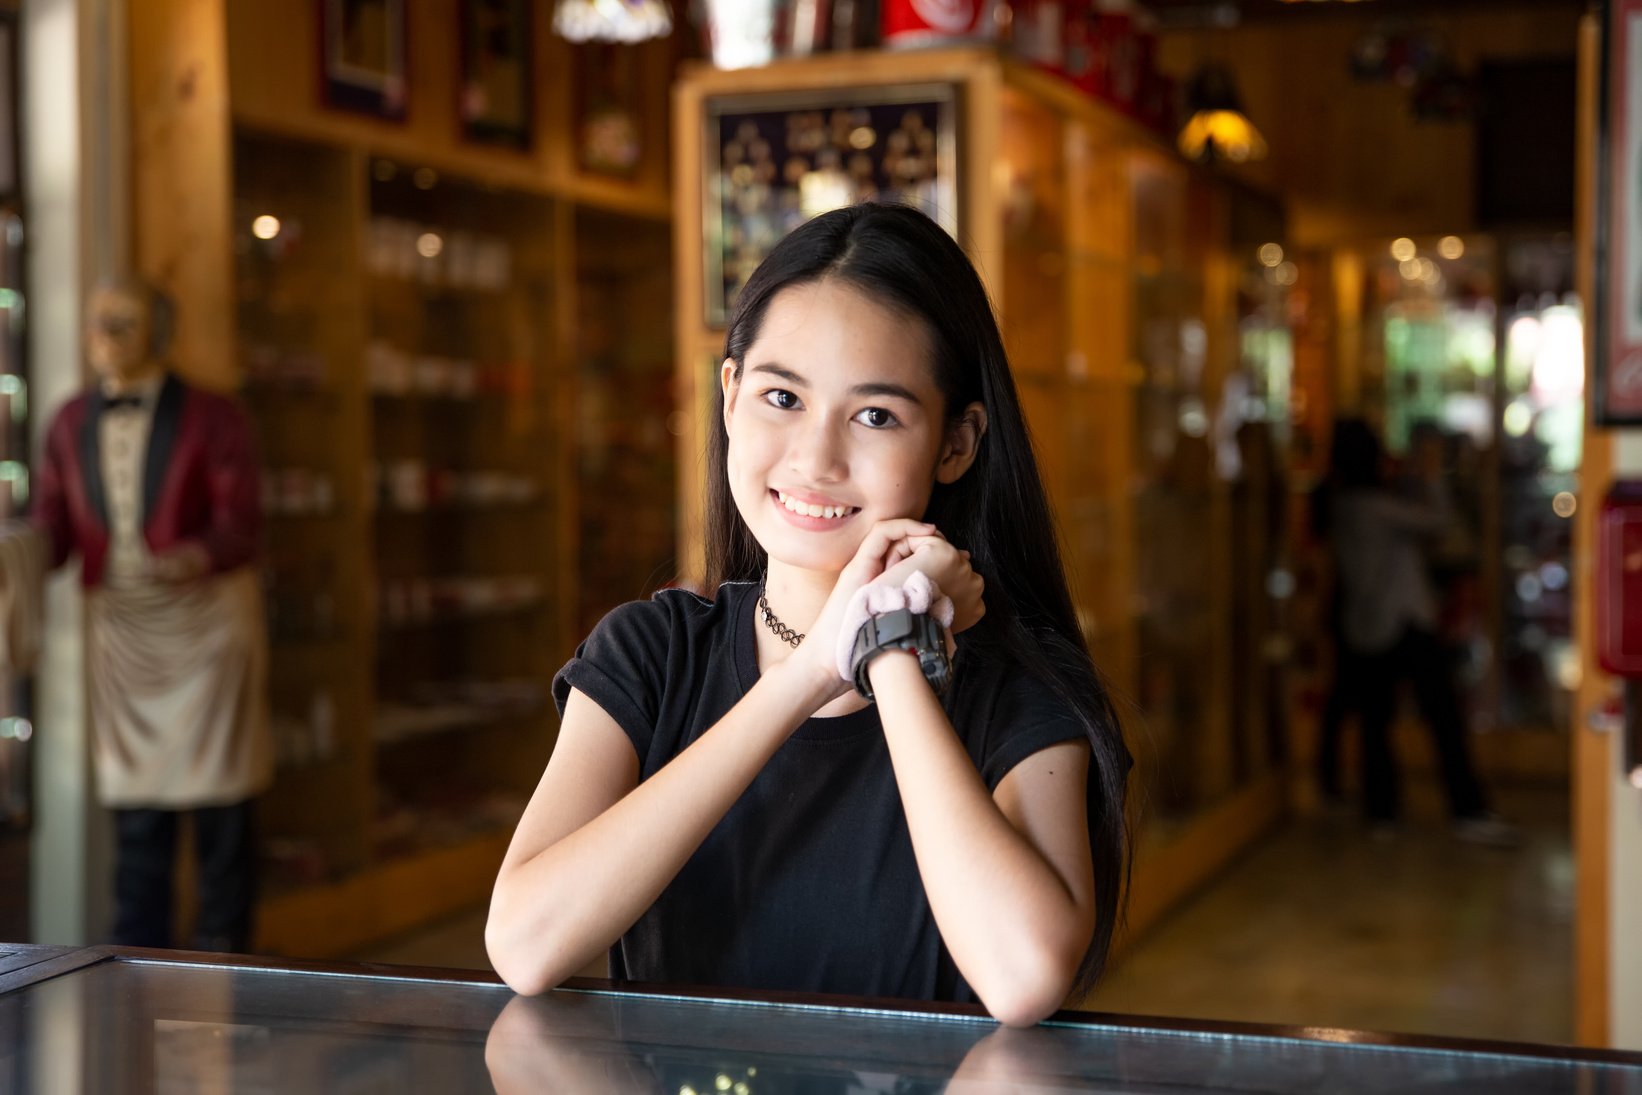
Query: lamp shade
x=1216, y=127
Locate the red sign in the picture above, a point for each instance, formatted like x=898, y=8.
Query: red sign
x=1619, y=581
x=928, y=22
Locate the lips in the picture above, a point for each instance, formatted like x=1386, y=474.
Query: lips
x=813, y=509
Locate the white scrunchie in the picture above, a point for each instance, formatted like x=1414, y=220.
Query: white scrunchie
x=919, y=593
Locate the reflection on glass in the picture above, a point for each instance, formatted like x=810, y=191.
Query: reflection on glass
x=169, y=1026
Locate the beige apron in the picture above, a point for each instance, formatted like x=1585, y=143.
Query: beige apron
x=178, y=683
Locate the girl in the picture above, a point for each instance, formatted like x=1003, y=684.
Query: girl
x=722, y=807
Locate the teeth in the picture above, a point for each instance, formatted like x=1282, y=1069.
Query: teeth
x=808, y=509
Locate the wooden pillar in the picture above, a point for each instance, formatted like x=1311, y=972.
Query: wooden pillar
x=180, y=157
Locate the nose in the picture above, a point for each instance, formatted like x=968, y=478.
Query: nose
x=817, y=452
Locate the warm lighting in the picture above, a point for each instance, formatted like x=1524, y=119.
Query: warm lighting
x=265, y=227
x=1564, y=504
x=1287, y=273
x=428, y=245
x=1403, y=250
x=1222, y=134
x=1217, y=128
x=1451, y=247
x=1271, y=254
x=425, y=178
x=1409, y=269
x=625, y=21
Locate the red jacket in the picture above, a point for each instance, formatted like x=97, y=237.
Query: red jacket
x=201, y=483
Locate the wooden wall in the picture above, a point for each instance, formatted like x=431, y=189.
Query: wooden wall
x=1349, y=155
x=273, y=47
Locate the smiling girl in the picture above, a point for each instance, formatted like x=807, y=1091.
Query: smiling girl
x=724, y=806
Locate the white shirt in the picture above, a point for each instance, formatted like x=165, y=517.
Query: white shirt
x=123, y=437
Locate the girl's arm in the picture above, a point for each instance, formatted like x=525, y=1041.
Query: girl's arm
x=1008, y=873
x=596, y=847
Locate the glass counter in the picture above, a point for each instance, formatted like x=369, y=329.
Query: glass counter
x=113, y=1020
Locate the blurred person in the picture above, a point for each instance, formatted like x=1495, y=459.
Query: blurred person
x=1344, y=689
x=154, y=484
x=1388, y=627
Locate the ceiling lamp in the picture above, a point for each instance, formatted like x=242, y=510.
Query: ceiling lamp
x=1216, y=127
x=625, y=21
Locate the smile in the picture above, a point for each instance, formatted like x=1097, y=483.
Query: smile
x=811, y=510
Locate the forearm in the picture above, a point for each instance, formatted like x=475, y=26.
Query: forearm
x=555, y=912
x=1009, y=921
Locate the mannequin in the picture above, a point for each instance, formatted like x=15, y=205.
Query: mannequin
x=154, y=484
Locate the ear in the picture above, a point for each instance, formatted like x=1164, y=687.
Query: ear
x=963, y=442
x=730, y=385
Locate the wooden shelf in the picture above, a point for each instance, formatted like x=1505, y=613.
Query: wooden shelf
x=469, y=616
x=412, y=724
x=334, y=919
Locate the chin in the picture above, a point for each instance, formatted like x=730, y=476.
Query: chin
x=831, y=559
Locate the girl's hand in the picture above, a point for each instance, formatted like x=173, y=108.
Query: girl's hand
x=948, y=567
x=881, y=548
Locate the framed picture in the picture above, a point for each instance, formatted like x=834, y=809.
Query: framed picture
x=771, y=162
x=496, y=88
x=1616, y=369
x=8, y=108
x=607, y=93
x=362, y=56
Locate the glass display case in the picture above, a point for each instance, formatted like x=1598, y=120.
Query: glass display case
x=100, y=1020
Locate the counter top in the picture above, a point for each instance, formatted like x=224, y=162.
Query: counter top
x=104, y=1019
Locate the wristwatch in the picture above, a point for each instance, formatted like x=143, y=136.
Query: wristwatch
x=902, y=629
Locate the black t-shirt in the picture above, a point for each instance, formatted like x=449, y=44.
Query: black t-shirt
x=809, y=883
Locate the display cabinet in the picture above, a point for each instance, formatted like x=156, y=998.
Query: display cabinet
x=1114, y=269
x=418, y=314
x=118, y=1020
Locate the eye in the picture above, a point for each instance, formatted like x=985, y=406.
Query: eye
x=781, y=398
x=877, y=418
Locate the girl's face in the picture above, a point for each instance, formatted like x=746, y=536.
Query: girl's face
x=835, y=423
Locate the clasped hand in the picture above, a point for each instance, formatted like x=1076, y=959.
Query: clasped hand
x=890, y=553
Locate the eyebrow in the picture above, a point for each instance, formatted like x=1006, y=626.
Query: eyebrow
x=881, y=388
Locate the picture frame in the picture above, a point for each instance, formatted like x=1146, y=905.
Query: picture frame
x=495, y=88
x=772, y=161
x=362, y=57
x=607, y=91
x=1616, y=365
x=10, y=181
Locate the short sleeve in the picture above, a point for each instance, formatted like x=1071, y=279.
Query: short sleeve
x=622, y=667
x=1026, y=717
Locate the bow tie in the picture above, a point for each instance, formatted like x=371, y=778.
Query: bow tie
x=122, y=402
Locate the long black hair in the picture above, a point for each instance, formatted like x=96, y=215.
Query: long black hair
x=997, y=510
